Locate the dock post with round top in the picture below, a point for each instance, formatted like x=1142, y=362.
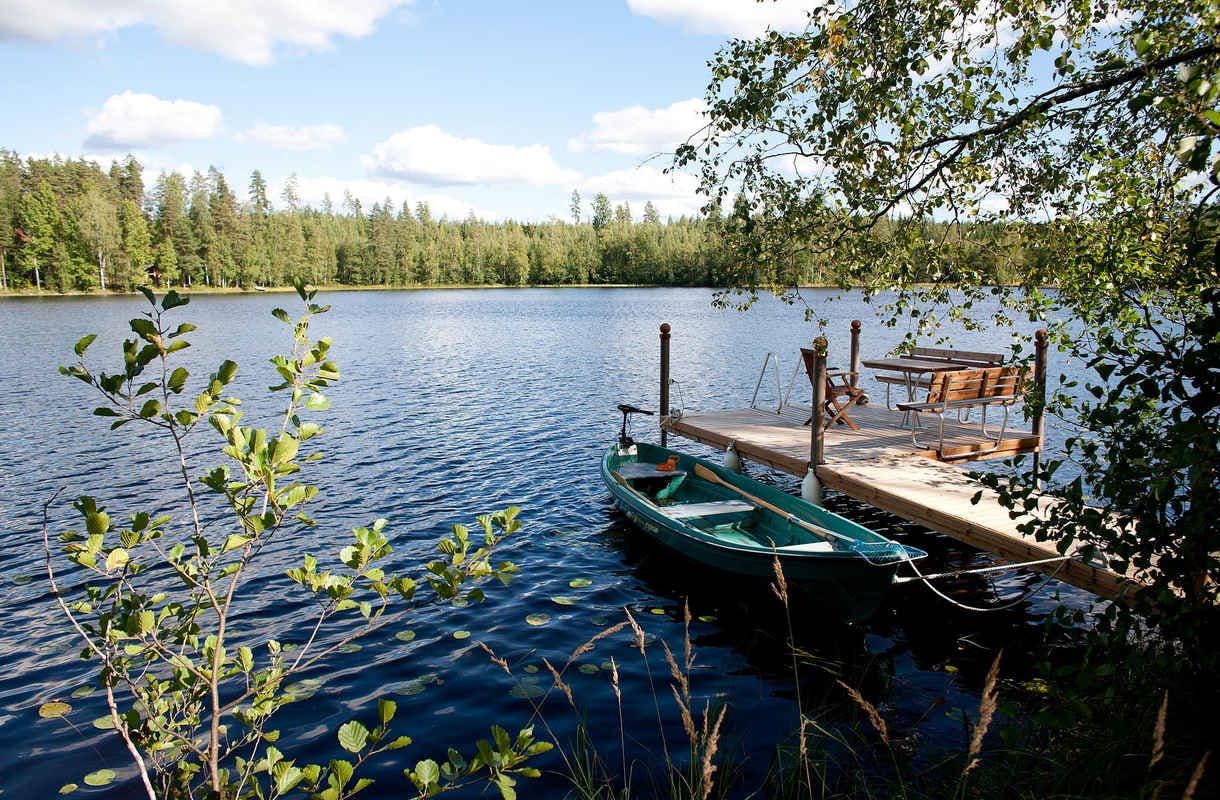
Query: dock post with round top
x=664, y=404
x=854, y=377
x=1038, y=421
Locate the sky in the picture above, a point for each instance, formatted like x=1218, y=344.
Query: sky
x=488, y=106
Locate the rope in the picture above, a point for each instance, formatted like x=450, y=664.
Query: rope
x=1023, y=598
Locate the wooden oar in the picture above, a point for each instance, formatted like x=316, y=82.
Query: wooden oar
x=707, y=475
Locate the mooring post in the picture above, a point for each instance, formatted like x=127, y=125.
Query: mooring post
x=855, y=352
x=811, y=487
x=663, y=411
x=1041, y=341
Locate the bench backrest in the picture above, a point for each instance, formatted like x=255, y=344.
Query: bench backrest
x=968, y=357
x=989, y=384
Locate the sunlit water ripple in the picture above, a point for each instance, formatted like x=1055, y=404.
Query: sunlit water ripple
x=454, y=403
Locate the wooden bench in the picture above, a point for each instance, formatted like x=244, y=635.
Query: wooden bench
x=966, y=389
x=965, y=358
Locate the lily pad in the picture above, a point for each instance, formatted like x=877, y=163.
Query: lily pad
x=526, y=689
x=103, y=724
x=658, y=611
x=102, y=777
x=405, y=636
x=530, y=668
x=53, y=709
x=461, y=634
x=418, y=685
x=351, y=647
x=589, y=669
x=83, y=691
x=538, y=619
x=580, y=583
x=707, y=618
x=600, y=621
x=68, y=788
x=565, y=600
x=22, y=580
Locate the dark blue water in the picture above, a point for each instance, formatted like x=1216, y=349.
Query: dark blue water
x=455, y=403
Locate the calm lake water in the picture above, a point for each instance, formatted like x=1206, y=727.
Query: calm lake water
x=454, y=403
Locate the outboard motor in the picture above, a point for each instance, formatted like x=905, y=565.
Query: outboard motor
x=626, y=445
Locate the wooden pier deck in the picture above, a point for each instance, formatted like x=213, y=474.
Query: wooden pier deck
x=880, y=465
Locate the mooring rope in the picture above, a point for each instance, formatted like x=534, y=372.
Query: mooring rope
x=927, y=581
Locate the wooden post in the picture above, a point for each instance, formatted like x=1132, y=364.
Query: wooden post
x=663, y=411
x=855, y=352
x=1038, y=420
x=817, y=431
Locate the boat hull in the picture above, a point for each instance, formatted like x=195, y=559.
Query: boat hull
x=845, y=582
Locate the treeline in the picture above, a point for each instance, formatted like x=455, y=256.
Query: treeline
x=68, y=225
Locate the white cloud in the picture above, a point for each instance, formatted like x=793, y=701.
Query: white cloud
x=726, y=17
x=314, y=190
x=134, y=120
x=285, y=137
x=642, y=131
x=672, y=194
x=241, y=30
x=427, y=154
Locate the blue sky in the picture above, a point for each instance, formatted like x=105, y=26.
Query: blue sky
x=502, y=108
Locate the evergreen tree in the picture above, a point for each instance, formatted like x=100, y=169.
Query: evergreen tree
x=137, y=252
x=38, y=221
x=651, y=217
x=575, y=207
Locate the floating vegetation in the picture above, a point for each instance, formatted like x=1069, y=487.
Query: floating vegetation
x=68, y=788
x=53, y=709
x=527, y=689
x=580, y=583
x=600, y=621
x=530, y=668
x=565, y=600
x=103, y=724
x=22, y=580
x=538, y=619
x=102, y=777
x=418, y=685
x=302, y=690
x=658, y=611
x=463, y=634
x=589, y=669
x=405, y=636
x=83, y=691
x=351, y=647
x=707, y=618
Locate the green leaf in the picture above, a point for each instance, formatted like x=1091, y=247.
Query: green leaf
x=177, y=380
x=172, y=300
x=233, y=542
x=54, y=709
x=353, y=736
x=427, y=772
x=150, y=409
x=117, y=559
x=386, y=709
x=68, y=788
x=83, y=345
x=97, y=523
x=317, y=402
x=102, y=777
x=281, y=315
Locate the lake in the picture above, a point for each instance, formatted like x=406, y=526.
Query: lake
x=454, y=403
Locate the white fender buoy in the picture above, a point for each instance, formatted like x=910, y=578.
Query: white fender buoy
x=731, y=459
x=811, y=488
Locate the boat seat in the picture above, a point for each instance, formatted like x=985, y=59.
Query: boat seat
x=809, y=547
x=686, y=510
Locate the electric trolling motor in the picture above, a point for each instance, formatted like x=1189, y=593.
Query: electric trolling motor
x=625, y=442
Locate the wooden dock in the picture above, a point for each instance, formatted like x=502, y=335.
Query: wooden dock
x=880, y=465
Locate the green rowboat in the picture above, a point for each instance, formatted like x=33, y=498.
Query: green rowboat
x=727, y=521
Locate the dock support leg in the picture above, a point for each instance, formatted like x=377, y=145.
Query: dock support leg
x=811, y=488
x=663, y=412
x=1039, y=421
x=854, y=377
